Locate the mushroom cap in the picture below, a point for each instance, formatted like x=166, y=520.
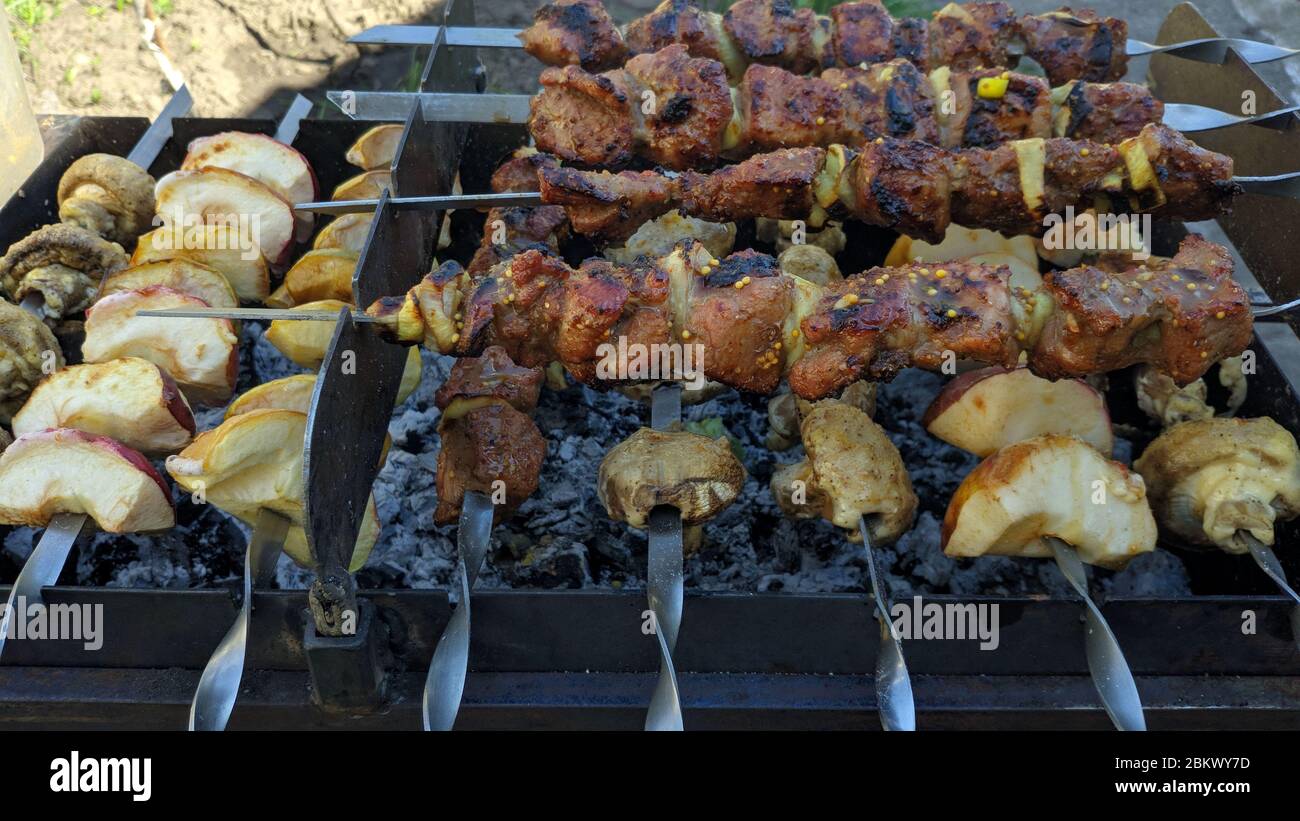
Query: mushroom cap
x=122, y=189
x=1050, y=485
x=695, y=474
x=24, y=339
x=1210, y=478
x=60, y=244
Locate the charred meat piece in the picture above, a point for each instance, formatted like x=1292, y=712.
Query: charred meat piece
x=1105, y=112
x=520, y=228
x=776, y=33
x=1022, y=109
x=971, y=35
x=605, y=205
x=1178, y=314
x=876, y=323
x=777, y=184
x=681, y=21
x=862, y=33
x=575, y=32
x=1072, y=45
x=493, y=375
x=585, y=118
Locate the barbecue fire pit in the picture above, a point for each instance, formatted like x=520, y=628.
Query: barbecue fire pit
x=777, y=627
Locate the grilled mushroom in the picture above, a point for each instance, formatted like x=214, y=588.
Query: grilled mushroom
x=786, y=411
x=63, y=263
x=5, y=440
x=852, y=470
x=1209, y=479
x=28, y=351
x=697, y=475
x=1050, y=485
x=107, y=195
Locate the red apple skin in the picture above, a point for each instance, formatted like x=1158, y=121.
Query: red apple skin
x=134, y=457
x=953, y=391
x=180, y=409
x=286, y=253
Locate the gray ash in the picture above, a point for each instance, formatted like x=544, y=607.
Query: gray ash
x=561, y=537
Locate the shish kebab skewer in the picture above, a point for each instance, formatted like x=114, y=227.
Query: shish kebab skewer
x=1070, y=45
x=755, y=324
x=912, y=187
x=678, y=112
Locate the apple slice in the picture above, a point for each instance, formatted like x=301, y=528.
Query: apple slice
x=215, y=246
x=347, y=231
x=129, y=399
x=320, y=275
x=288, y=393
x=217, y=196
x=987, y=409
x=184, y=275
x=254, y=461
x=61, y=470
x=305, y=343
x=1050, y=486
x=281, y=167
x=961, y=243
x=202, y=355
x=376, y=148
x=366, y=186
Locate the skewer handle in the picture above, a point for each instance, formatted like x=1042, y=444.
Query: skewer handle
x=1268, y=562
x=665, y=588
x=1110, y=671
x=214, y=699
x=43, y=566
x=894, y=699
x=445, y=683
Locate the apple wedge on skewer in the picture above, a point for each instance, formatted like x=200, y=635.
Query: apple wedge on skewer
x=58, y=471
x=305, y=344
x=202, y=355
x=376, y=148
x=317, y=275
x=347, y=232
x=254, y=461
x=219, y=196
x=130, y=400
x=184, y=275
x=987, y=409
x=216, y=246
x=280, y=167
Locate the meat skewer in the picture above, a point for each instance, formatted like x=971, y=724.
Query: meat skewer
x=1069, y=45
x=915, y=188
x=677, y=111
x=757, y=324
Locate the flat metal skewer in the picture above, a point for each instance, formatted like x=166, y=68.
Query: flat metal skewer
x=665, y=587
x=214, y=699
x=445, y=683
x=1268, y=562
x=894, y=699
x=1208, y=50
x=1110, y=671
x=42, y=567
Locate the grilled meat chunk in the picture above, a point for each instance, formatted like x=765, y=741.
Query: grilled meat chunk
x=778, y=184
x=1178, y=314
x=681, y=21
x=487, y=435
x=777, y=33
x=689, y=108
x=971, y=35
x=575, y=32
x=605, y=205
x=583, y=117
x=1072, y=45
x=862, y=33
x=1105, y=112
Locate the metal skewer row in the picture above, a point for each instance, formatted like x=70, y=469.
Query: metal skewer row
x=47, y=559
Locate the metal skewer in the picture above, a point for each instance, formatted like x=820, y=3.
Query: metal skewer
x=894, y=699
x=1110, y=672
x=1208, y=50
x=395, y=106
x=43, y=566
x=664, y=584
x=214, y=699
x=1268, y=562
x=445, y=683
